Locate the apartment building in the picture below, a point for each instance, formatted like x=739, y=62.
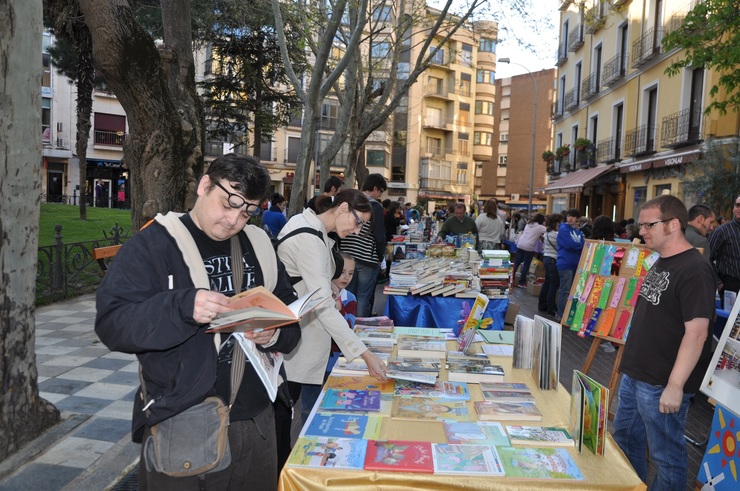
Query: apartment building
x=520, y=101
x=640, y=126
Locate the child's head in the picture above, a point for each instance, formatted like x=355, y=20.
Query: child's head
x=348, y=270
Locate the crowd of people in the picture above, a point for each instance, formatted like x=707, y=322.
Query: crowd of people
x=170, y=280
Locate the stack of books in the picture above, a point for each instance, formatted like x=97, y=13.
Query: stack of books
x=473, y=369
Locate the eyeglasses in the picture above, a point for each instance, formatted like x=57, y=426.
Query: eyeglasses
x=360, y=221
x=737, y=205
x=236, y=201
x=649, y=225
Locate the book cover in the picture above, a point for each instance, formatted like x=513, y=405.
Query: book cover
x=451, y=391
x=332, y=453
x=421, y=346
x=510, y=386
x=377, y=338
x=467, y=459
x=380, y=320
x=507, y=396
x=419, y=377
x=539, y=436
x=396, y=455
x=258, y=309
x=359, y=383
x=350, y=400
x=354, y=367
x=344, y=426
x=419, y=331
x=539, y=463
x=507, y=411
x=420, y=408
x=413, y=365
x=476, y=433
x=593, y=413
x=479, y=370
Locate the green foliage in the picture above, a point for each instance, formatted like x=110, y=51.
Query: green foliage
x=710, y=36
x=548, y=155
x=99, y=220
x=714, y=179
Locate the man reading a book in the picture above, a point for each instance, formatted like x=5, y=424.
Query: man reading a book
x=668, y=348
x=157, y=299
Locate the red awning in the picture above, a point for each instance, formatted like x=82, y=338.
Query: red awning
x=574, y=181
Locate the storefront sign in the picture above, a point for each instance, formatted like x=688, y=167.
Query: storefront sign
x=636, y=167
x=677, y=159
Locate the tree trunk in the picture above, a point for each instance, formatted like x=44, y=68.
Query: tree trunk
x=23, y=415
x=85, y=77
x=164, y=148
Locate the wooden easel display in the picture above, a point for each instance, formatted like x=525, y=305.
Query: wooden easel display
x=603, y=296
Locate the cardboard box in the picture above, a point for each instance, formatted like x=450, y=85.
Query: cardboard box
x=534, y=288
x=511, y=312
x=537, y=269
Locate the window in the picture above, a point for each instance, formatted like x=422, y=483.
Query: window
x=45, y=119
x=380, y=49
x=487, y=45
x=639, y=200
x=329, y=116
x=462, y=176
x=485, y=77
x=382, y=14
x=484, y=107
x=465, y=84
x=266, y=151
x=46, y=77
x=294, y=145
x=503, y=138
x=439, y=57
x=466, y=55
x=482, y=138
x=503, y=160
x=110, y=129
x=208, y=64
x=376, y=158
x=434, y=117
x=661, y=188
x=434, y=146
x=462, y=143
x=463, y=115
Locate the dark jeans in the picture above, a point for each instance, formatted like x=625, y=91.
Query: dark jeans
x=253, y=461
x=363, y=287
x=525, y=259
x=548, y=295
x=566, y=281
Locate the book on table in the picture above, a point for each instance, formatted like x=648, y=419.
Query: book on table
x=507, y=411
x=358, y=367
x=475, y=371
x=414, y=364
x=350, y=400
x=476, y=433
x=546, y=352
x=539, y=436
x=421, y=346
x=510, y=386
x=467, y=459
x=428, y=409
x=507, y=396
x=258, y=309
x=589, y=412
x=355, y=426
x=327, y=452
x=377, y=338
x=420, y=377
x=539, y=463
x=359, y=382
x=397, y=455
x=451, y=391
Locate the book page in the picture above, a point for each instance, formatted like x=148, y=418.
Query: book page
x=267, y=365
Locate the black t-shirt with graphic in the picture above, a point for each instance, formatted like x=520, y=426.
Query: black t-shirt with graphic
x=677, y=289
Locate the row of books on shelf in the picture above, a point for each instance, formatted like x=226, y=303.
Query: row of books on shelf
x=437, y=458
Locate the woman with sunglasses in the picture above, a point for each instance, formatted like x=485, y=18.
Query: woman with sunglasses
x=308, y=259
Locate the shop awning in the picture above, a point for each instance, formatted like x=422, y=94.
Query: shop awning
x=574, y=181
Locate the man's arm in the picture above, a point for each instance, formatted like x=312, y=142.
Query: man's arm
x=692, y=343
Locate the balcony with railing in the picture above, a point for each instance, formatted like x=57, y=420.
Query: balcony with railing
x=557, y=109
x=681, y=129
x=608, y=150
x=589, y=87
x=615, y=69
x=110, y=138
x=639, y=141
x=646, y=46
x=594, y=18
x=674, y=22
x=561, y=55
x=571, y=99
x=575, y=38
x=442, y=58
x=439, y=90
x=435, y=184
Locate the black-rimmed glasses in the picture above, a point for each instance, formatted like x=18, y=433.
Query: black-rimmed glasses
x=360, y=221
x=236, y=201
x=649, y=225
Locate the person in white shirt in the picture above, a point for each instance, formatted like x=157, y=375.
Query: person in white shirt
x=490, y=227
x=525, y=247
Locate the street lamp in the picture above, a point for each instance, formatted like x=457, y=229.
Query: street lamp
x=534, y=132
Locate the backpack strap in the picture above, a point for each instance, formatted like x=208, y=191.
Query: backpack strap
x=302, y=230
x=262, y=245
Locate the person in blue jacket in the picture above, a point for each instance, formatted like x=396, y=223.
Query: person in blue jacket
x=274, y=218
x=570, y=245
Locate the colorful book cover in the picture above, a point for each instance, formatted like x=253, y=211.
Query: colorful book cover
x=420, y=408
x=359, y=383
x=413, y=365
x=467, y=459
x=540, y=463
x=576, y=412
x=396, y=455
x=476, y=433
x=333, y=453
x=594, y=410
x=350, y=400
x=719, y=469
x=544, y=436
x=507, y=411
x=507, y=396
x=450, y=391
x=344, y=426
x=419, y=331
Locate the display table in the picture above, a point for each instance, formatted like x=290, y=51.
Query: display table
x=612, y=471
x=429, y=311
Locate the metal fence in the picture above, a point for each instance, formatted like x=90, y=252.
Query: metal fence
x=68, y=270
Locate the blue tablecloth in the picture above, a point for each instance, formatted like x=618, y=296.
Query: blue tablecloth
x=428, y=311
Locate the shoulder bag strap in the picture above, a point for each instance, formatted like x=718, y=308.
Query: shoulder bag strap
x=237, y=362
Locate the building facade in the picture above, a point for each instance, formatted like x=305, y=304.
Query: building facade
x=640, y=126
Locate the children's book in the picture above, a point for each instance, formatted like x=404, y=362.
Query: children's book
x=451, y=391
x=467, y=459
x=350, y=400
x=539, y=463
x=590, y=412
x=331, y=453
x=419, y=377
x=507, y=411
x=507, y=396
x=380, y=320
x=344, y=426
x=413, y=365
x=419, y=331
x=359, y=383
x=421, y=408
x=421, y=346
x=396, y=455
x=478, y=370
x=258, y=309
x=356, y=367
x=377, y=338
x=510, y=386
x=539, y=436
x=546, y=353
x=476, y=433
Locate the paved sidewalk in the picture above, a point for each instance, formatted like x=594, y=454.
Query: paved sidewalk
x=93, y=389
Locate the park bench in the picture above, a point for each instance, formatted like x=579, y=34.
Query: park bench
x=100, y=254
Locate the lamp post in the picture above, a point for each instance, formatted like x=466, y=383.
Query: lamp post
x=534, y=132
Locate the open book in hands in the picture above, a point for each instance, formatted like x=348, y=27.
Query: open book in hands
x=258, y=309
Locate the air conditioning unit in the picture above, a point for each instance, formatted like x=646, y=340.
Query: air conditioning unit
x=515, y=197
x=60, y=126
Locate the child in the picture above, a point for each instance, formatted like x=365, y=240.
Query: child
x=346, y=301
